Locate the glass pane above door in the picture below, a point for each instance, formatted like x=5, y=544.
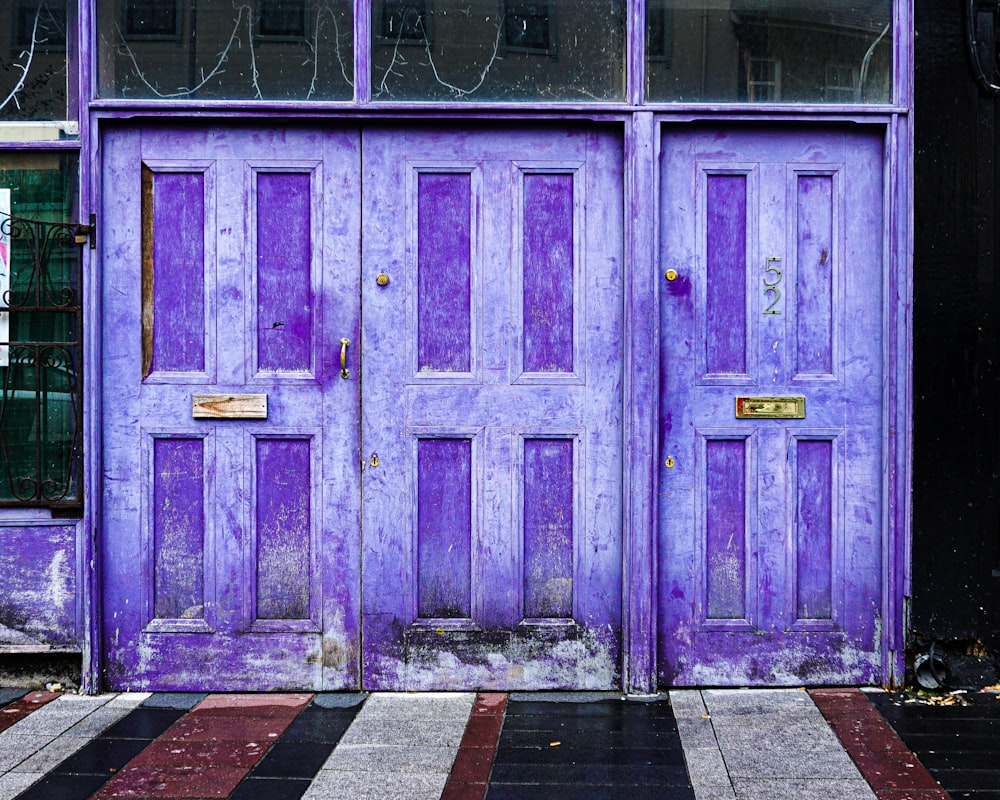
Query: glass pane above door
x=769, y=51
x=496, y=50
x=226, y=49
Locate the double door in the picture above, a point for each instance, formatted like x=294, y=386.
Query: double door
x=361, y=408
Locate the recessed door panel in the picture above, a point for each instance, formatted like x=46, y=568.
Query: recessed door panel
x=770, y=502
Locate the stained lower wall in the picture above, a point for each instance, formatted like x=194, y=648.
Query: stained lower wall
x=39, y=599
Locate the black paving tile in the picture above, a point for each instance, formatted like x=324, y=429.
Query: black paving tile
x=10, y=695
x=293, y=760
x=319, y=725
x=605, y=740
x=957, y=743
x=590, y=774
x=270, y=789
x=598, y=724
x=183, y=701
x=63, y=787
x=585, y=753
x=143, y=723
x=500, y=791
x=101, y=756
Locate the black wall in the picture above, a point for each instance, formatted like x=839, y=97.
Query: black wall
x=956, y=358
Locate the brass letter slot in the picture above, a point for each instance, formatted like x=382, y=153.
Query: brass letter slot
x=229, y=406
x=770, y=408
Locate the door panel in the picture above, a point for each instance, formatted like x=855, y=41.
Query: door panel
x=492, y=419
x=230, y=547
x=770, y=528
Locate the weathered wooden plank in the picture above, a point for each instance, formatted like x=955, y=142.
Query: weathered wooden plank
x=229, y=406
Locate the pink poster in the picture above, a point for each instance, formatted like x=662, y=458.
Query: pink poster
x=4, y=276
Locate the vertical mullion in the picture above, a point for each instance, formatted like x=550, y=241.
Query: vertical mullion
x=362, y=52
x=635, y=56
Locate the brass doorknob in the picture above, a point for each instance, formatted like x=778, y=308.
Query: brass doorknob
x=382, y=279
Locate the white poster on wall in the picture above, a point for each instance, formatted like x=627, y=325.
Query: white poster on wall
x=4, y=276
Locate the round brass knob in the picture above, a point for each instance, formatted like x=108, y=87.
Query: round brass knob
x=671, y=275
x=382, y=279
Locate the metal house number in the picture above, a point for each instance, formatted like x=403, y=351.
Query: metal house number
x=772, y=277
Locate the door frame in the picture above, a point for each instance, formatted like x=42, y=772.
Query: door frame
x=642, y=128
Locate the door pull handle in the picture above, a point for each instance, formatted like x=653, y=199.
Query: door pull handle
x=345, y=373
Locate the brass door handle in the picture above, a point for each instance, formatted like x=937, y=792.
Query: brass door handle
x=345, y=373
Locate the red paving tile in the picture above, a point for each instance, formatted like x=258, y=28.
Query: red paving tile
x=207, y=752
x=470, y=773
x=464, y=791
x=219, y=754
x=891, y=769
x=188, y=782
x=23, y=706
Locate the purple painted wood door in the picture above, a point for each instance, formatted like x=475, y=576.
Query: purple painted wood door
x=492, y=415
x=771, y=530
x=230, y=545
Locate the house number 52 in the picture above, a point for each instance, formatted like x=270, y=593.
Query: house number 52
x=772, y=277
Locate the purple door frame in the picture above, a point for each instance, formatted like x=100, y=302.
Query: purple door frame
x=641, y=125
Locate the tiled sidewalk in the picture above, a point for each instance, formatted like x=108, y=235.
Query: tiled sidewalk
x=698, y=745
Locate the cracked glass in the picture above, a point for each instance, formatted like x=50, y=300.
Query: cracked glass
x=36, y=64
x=226, y=49
x=487, y=50
x=769, y=51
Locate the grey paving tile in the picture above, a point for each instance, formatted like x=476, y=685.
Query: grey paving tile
x=755, y=702
x=790, y=736
x=345, y=785
x=97, y=722
x=714, y=793
x=408, y=706
x=59, y=715
x=14, y=748
x=52, y=754
x=380, y=758
x=687, y=703
x=403, y=731
x=765, y=763
x=747, y=789
x=130, y=699
x=13, y=783
x=697, y=732
x=706, y=767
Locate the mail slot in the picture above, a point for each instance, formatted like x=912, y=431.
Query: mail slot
x=770, y=408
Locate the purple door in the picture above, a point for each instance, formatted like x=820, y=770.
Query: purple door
x=491, y=434
x=231, y=489
x=770, y=475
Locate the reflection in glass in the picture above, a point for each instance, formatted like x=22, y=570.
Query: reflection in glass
x=34, y=73
x=497, y=50
x=769, y=51
x=226, y=49
x=41, y=342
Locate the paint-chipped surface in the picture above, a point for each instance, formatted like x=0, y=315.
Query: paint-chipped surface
x=770, y=530
x=38, y=584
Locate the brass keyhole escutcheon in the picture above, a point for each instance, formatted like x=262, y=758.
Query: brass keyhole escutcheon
x=671, y=274
x=373, y=461
x=382, y=279
x=669, y=463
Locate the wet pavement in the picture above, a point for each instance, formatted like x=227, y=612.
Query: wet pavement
x=708, y=744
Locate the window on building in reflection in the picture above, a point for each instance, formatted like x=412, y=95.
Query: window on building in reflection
x=226, y=49
x=760, y=51
x=403, y=23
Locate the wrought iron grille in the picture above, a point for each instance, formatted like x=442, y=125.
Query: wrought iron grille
x=41, y=405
